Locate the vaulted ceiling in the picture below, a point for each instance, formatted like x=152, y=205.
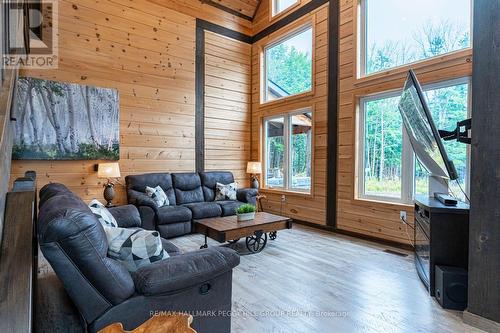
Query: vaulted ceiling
x=244, y=8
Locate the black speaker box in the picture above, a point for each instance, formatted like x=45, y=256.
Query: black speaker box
x=451, y=287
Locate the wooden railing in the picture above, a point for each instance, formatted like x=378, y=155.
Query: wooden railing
x=18, y=257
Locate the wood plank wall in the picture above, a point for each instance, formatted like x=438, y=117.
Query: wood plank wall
x=227, y=105
x=370, y=218
x=311, y=208
x=204, y=11
x=147, y=52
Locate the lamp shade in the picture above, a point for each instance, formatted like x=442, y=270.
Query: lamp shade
x=108, y=170
x=254, y=168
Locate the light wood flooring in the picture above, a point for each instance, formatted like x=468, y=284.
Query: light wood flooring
x=314, y=271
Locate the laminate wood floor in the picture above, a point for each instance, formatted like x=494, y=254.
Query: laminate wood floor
x=308, y=280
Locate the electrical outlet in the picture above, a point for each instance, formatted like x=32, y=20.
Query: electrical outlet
x=402, y=216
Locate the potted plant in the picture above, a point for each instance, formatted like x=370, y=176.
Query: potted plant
x=246, y=212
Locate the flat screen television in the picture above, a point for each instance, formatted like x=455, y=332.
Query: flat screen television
x=424, y=136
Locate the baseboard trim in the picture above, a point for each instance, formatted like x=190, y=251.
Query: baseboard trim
x=481, y=323
x=356, y=235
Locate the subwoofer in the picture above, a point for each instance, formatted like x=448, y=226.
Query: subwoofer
x=451, y=287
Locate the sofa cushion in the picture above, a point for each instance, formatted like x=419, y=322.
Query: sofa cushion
x=210, y=179
x=134, y=248
x=229, y=207
x=103, y=214
x=164, y=180
x=225, y=192
x=203, y=210
x=187, y=188
x=173, y=214
x=158, y=195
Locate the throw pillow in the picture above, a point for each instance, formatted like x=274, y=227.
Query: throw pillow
x=225, y=192
x=102, y=214
x=134, y=247
x=157, y=194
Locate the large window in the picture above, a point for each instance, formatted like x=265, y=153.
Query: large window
x=279, y=6
x=387, y=167
x=399, y=32
x=288, y=66
x=288, y=151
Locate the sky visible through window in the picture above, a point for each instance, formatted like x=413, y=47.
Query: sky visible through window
x=281, y=5
x=400, y=32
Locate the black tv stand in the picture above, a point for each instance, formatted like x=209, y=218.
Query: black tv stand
x=441, y=237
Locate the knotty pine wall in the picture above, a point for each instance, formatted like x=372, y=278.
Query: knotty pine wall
x=227, y=105
x=310, y=208
x=199, y=9
x=371, y=218
x=147, y=52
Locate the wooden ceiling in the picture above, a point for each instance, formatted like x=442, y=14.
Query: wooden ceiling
x=243, y=8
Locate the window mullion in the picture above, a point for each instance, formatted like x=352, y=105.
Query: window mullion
x=288, y=151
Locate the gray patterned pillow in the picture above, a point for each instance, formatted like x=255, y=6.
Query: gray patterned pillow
x=157, y=194
x=134, y=248
x=225, y=192
x=102, y=214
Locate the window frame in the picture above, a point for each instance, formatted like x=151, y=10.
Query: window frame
x=408, y=157
x=362, y=29
x=309, y=24
x=273, y=12
x=287, y=160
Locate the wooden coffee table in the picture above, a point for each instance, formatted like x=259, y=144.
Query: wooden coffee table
x=228, y=229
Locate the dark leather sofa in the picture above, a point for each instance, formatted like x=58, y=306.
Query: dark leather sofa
x=191, y=196
x=74, y=242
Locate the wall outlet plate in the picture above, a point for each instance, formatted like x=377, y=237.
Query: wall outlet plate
x=402, y=216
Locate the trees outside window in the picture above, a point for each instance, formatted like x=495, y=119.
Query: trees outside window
x=399, y=32
x=387, y=168
x=288, y=151
x=288, y=66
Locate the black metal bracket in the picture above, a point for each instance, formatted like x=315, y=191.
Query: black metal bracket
x=461, y=133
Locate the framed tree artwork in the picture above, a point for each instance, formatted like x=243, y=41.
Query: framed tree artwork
x=64, y=121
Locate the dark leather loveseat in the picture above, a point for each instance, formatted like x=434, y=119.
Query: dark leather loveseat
x=191, y=196
x=74, y=242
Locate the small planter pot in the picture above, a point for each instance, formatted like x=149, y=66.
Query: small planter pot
x=246, y=217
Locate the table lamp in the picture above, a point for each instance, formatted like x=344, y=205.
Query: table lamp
x=254, y=168
x=108, y=170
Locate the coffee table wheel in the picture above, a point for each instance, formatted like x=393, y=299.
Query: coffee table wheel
x=273, y=235
x=256, y=243
x=204, y=246
x=234, y=241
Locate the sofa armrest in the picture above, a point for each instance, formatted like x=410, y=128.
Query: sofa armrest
x=247, y=195
x=126, y=216
x=141, y=199
x=184, y=271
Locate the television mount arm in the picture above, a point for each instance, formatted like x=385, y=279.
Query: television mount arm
x=461, y=133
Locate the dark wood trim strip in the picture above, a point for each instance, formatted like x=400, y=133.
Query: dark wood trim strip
x=200, y=99
x=218, y=29
x=356, y=235
x=295, y=15
x=333, y=79
x=226, y=9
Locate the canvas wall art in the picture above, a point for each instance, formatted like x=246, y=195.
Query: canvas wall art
x=64, y=121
